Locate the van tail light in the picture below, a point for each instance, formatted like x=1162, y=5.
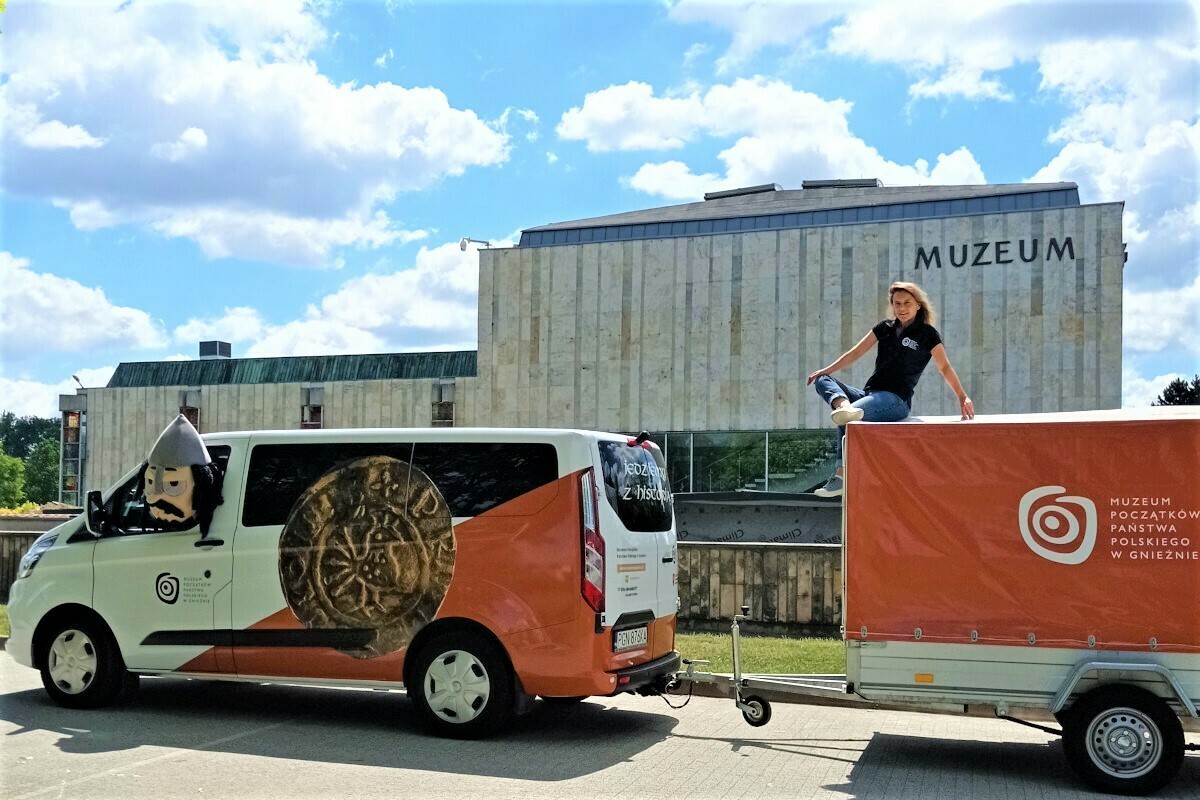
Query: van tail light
x=592, y=580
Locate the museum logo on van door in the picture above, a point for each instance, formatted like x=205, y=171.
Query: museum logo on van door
x=1001, y=252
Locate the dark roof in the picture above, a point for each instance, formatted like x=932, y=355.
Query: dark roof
x=785, y=201
x=296, y=369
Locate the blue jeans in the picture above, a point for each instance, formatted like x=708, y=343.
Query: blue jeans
x=876, y=406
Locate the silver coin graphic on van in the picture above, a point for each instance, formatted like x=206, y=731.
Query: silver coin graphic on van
x=368, y=547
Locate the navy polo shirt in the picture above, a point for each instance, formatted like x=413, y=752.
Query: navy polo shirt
x=902, y=356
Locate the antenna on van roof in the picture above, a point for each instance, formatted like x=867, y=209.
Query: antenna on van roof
x=642, y=437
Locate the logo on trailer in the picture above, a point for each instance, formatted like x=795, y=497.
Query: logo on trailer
x=1062, y=530
x=166, y=586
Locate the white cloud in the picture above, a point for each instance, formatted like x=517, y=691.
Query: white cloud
x=551, y=157
x=385, y=57
x=241, y=324
x=28, y=398
x=308, y=242
x=45, y=313
x=1164, y=319
x=315, y=337
x=672, y=179
x=756, y=25
x=431, y=305
x=191, y=141
x=630, y=117
x=1139, y=392
x=54, y=135
x=782, y=135
x=227, y=98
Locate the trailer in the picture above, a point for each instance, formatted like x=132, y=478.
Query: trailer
x=1037, y=566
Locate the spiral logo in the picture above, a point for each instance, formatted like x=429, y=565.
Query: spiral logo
x=1062, y=530
x=166, y=586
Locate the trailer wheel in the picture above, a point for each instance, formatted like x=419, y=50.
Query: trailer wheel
x=1124, y=740
x=757, y=711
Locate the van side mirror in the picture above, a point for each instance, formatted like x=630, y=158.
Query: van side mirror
x=97, y=519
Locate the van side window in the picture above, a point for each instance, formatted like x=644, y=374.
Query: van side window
x=126, y=506
x=475, y=477
x=279, y=473
x=635, y=483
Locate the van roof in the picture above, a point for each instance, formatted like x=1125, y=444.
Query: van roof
x=480, y=434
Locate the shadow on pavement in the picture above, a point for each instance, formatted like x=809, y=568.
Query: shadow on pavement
x=552, y=743
x=899, y=767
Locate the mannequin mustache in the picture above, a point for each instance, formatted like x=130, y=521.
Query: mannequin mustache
x=170, y=508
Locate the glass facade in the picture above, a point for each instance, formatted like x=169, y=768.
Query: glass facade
x=931, y=209
x=765, y=461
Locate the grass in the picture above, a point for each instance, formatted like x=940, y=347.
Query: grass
x=766, y=655
x=760, y=654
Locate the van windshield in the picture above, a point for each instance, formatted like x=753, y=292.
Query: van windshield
x=635, y=482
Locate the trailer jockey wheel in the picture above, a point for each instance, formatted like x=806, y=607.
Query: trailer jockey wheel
x=756, y=711
x=1123, y=739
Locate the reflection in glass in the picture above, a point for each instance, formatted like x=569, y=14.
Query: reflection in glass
x=679, y=461
x=800, y=460
x=726, y=462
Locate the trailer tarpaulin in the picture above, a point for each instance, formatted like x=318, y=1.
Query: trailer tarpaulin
x=1042, y=530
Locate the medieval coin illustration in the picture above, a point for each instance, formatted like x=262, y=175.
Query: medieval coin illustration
x=369, y=546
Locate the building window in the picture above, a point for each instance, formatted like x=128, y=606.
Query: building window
x=443, y=403
x=189, y=406
x=312, y=404
x=71, y=457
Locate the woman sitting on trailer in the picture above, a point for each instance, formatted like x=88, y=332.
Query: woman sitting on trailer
x=906, y=343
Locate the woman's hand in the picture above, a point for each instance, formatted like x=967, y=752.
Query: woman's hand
x=967, y=407
x=816, y=375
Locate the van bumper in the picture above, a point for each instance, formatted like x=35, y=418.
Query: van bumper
x=659, y=671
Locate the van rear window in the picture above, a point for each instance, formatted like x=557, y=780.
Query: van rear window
x=635, y=482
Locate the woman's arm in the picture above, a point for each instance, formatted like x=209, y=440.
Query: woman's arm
x=943, y=364
x=847, y=358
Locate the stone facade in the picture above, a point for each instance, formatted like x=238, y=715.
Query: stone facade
x=719, y=332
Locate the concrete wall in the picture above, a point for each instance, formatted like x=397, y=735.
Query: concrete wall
x=123, y=423
x=719, y=332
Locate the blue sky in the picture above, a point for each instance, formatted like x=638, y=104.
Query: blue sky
x=295, y=177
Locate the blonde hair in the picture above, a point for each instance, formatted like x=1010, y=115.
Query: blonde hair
x=925, y=313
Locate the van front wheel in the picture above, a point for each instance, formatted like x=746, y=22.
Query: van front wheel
x=463, y=686
x=81, y=667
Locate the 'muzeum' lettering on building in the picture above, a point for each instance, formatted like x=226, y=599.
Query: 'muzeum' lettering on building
x=1005, y=251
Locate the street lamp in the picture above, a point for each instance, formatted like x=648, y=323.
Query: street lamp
x=463, y=242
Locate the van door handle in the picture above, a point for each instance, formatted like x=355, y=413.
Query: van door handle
x=668, y=559
x=209, y=543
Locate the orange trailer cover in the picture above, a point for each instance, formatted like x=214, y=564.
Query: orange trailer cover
x=1047, y=529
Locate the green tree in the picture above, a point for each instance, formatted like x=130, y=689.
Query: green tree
x=12, y=481
x=41, y=471
x=18, y=435
x=1180, y=392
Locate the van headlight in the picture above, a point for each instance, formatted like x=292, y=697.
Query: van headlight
x=31, y=558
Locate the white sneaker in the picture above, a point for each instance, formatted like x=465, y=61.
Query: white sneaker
x=844, y=414
x=832, y=488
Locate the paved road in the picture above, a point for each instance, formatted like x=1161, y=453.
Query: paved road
x=226, y=740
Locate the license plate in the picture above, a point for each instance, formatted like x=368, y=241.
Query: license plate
x=630, y=637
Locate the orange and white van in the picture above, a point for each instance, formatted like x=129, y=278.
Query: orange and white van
x=476, y=568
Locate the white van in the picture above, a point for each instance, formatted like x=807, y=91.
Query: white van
x=477, y=568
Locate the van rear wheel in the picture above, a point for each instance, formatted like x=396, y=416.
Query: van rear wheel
x=81, y=666
x=463, y=687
